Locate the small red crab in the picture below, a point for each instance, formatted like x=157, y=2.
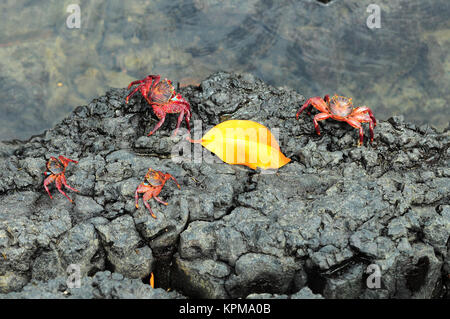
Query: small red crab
x=163, y=99
x=56, y=168
x=341, y=109
x=152, y=186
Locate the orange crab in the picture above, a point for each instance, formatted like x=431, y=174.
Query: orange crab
x=57, y=168
x=151, y=187
x=163, y=99
x=341, y=108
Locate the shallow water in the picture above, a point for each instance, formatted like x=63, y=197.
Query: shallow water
x=47, y=69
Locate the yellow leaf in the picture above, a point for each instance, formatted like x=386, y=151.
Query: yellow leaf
x=245, y=143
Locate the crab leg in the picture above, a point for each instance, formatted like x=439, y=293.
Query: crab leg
x=139, y=190
x=136, y=196
x=304, y=106
x=63, y=180
x=158, y=125
x=132, y=93
x=134, y=83
x=317, y=102
x=356, y=124
x=149, y=209
x=364, y=115
x=160, y=200
x=151, y=78
x=320, y=117
x=65, y=160
x=365, y=109
x=147, y=196
x=48, y=181
x=187, y=117
x=58, y=183
x=371, y=124
x=170, y=176
x=180, y=118
x=155, y=80
x=185, y=111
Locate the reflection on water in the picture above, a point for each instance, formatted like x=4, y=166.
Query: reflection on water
x=47, y=69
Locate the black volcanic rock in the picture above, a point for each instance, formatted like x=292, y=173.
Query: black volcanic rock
x=311, y=227
x=103, y=285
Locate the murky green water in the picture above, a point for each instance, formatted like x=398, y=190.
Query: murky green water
x=47, y=69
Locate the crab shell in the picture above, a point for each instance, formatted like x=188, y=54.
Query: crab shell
x=55, y=166
x=341, y=106
x=154, y=178
x=162, y=92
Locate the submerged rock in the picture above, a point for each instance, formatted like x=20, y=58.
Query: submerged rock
x=317, y=226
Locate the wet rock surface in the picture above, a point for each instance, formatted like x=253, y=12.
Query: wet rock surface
x=321, y=225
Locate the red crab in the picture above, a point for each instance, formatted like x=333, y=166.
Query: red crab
x=163, y=99
x=341, y=109
x=56, y=168
x=151, y=187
